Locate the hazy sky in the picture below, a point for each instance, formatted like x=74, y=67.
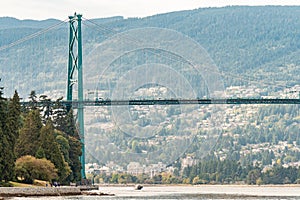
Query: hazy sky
x=60, y=9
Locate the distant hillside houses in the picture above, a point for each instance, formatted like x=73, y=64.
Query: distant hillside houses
x=136, y=168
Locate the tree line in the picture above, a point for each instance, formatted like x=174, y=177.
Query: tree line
x=230, y=171
x=38, y=141
x=211, y=171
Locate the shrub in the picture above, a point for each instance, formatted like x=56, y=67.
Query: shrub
x=29, y=168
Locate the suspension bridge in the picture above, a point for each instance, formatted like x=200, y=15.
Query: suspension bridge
x=110, y=92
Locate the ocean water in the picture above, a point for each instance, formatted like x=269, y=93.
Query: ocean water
x=188, y=192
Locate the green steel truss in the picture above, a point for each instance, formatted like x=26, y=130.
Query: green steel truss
x=75, y=65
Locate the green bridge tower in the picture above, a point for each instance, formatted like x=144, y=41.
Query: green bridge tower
x=75, y=67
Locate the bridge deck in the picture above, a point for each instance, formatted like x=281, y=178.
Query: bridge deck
x=171, y=102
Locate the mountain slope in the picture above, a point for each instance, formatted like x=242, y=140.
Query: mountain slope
x=243, y=41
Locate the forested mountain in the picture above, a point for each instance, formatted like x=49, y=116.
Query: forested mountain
x=252, y=42
x=257, y=41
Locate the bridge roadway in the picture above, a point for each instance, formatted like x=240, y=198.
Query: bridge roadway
x=108, y=102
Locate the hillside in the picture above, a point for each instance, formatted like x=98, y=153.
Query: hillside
x=257, y=41
x=255, y=49
x=253, y=43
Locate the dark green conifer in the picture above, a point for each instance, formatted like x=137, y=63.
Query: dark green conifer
x=64, y=122
x=13, y=124
x=52, y=151
x=2, y=155
x=75, y=147
x=28, y=141
x=3, y=139
x=33, y=100
x=74, y=154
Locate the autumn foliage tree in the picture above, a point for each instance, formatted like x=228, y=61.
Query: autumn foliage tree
x=29, y=168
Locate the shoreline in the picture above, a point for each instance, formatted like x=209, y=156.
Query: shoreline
x=128, y=190
x=197, y=185
x=38, y=191
x=47, y=191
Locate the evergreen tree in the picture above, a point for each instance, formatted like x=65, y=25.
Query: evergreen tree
x=65, y=122
x=70, y=128
x=75, y=147
x=59, y=115
x=2, y=160
x=74, y=154
x=46, y=108
x=13, y=124
x=52, y=152
x=4, y=147
x=28, y=140
x=40, y=153
x=2, y=154
x=63, y=144
x=33, y=100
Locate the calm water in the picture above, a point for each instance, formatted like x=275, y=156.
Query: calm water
x=190, y=192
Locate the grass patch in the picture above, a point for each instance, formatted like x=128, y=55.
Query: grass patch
x=16, y=184
x=36, y=183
